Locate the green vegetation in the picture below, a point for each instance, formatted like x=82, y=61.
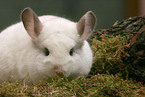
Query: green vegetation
x=97, y=85
x=108, y=54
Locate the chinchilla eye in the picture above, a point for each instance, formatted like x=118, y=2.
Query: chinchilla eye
x=46, y=52
x=71, y=52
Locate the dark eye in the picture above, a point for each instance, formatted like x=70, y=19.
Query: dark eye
x=71, y=52
x=46, y=52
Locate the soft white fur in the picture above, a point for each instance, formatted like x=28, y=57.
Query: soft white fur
x=21, y=57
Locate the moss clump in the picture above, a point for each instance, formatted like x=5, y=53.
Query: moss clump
x=134, y=30
x=97, y=85
x=107, y=55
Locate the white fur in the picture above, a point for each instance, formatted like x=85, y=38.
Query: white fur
x=20, y=56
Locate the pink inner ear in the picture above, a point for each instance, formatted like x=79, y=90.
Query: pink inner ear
x=86, y=25
x=31, y=23
x=37, y=25
x=81, y=26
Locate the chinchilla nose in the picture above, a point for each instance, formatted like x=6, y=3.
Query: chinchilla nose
x=59, y=72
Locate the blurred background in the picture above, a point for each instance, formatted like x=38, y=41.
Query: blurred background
x=107, y=11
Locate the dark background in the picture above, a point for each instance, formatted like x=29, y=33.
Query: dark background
x=107, y=11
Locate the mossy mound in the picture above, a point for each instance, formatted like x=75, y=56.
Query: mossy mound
x=97, y=85
x=107, y=55
x=132, y=46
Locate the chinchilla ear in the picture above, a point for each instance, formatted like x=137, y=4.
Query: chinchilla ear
x=31, y=22
x=86, y=25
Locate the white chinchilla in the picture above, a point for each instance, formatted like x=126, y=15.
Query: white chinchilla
x=45, y=47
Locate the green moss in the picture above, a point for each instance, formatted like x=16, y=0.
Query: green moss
x=108, y=54
x=97, y=85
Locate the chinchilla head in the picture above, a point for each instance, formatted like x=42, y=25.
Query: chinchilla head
x=61, y=41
